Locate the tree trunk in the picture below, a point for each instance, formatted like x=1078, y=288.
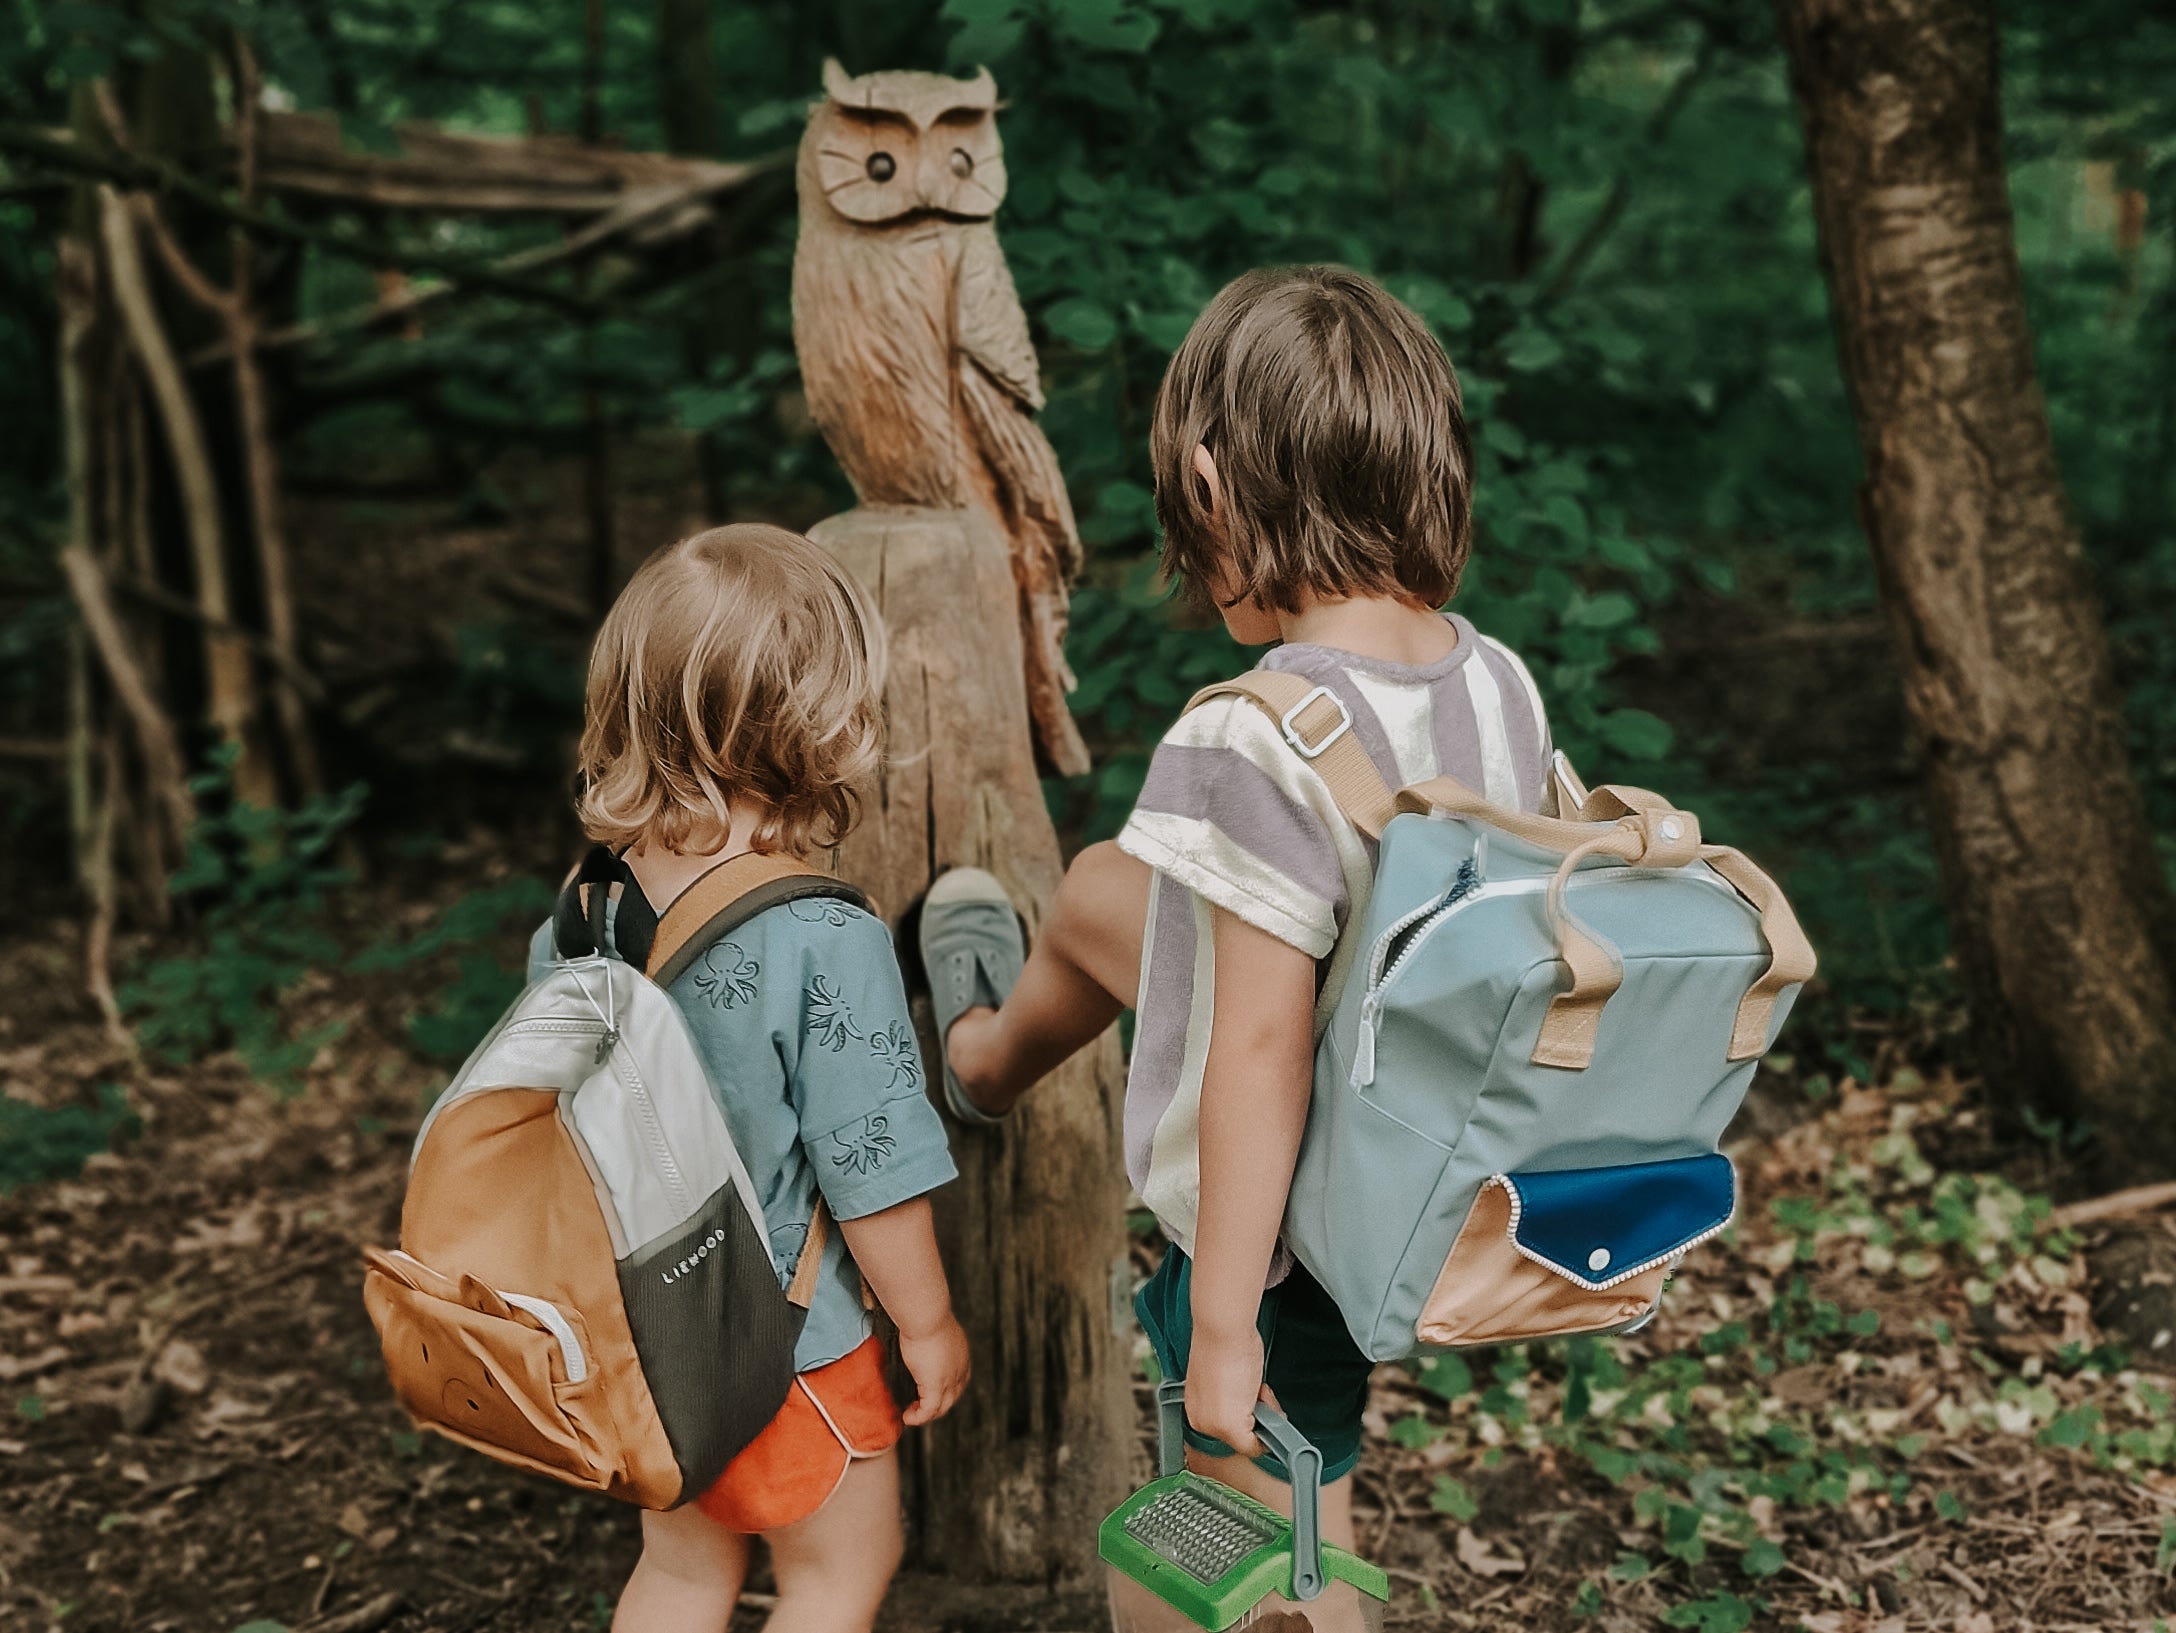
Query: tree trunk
x=2059, y=913
x=1013, y=1483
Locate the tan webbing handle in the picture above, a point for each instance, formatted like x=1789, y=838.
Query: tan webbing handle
x=1316, y=725
x=802, y=1288
x=1644, y=830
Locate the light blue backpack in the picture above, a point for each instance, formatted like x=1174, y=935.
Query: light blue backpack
x=1548, y=1023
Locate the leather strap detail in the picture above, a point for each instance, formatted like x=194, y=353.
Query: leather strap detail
x=1316, y=726
x=727, y=897
x=1644, y=830
x=802, y=1288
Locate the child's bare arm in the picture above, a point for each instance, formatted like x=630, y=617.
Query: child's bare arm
x=1254, y=1093
x=897, y=1252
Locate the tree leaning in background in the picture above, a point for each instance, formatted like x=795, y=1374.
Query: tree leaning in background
x=920, y=371
x=2061, y=918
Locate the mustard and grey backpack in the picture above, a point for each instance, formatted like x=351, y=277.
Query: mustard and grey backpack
x=1549, y=1022
x=584, y=1286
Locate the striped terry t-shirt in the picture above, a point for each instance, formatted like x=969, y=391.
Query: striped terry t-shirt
x=1231, y=816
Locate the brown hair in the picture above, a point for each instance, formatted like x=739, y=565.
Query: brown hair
x=1340, y=444
x=741, y=665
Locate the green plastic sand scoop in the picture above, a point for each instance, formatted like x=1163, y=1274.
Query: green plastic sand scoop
x=1185, y=1551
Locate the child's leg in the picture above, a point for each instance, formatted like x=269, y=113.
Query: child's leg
x=689, y=1576
x=1084, y=968
x=833, y=1567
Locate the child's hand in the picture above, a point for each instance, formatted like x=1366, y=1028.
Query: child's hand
x=938, y=1363
x=1223, y=1382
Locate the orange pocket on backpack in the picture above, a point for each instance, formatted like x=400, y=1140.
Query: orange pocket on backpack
x=1491, y=1293
x=499, y=1371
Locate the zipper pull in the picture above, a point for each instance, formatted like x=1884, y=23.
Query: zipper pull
x=605, y=1041
x=1363, y=1054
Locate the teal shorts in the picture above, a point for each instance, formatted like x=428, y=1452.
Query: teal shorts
x=1310, y=1362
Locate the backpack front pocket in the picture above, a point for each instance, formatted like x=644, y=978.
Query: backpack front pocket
x=1584, y=1250
x=508, y=1374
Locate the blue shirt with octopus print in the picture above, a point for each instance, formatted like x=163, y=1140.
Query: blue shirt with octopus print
x=801, y=1019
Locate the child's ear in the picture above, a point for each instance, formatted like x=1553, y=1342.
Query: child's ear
x=1205, y=468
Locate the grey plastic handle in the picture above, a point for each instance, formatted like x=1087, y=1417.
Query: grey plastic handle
x=1299, y=1456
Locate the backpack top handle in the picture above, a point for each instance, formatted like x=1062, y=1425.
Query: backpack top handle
x=578, y=918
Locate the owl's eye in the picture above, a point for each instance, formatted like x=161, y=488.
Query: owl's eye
x=882, y=167
x=963, y=162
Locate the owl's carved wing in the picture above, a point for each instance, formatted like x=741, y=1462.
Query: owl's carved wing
x=999, y=392
x=993, y=330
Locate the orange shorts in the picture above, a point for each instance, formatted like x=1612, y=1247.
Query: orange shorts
x=832, y=1415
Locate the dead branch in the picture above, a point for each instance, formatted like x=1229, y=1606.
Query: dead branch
x=163, y=764
x=226, y=660
x=58, y=152
x=442, y=172
x=2115, y=1205
x=299, y=674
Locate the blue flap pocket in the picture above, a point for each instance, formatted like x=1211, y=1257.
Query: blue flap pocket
x=1601, y=1226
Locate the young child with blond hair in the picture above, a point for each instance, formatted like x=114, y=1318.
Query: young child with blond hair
x=734, y=705
x=1313, y=478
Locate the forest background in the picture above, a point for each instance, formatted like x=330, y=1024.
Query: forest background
x=1602, y=208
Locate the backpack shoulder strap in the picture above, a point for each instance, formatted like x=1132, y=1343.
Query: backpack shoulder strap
x=727, y=897
x=1316, y=724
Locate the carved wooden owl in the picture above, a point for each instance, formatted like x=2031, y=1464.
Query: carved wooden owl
x=914, y=350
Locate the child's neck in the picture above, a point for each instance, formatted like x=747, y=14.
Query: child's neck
x=663, y=873
x=1373, y=626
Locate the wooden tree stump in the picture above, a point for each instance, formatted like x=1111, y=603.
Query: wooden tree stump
x=1013, y=1483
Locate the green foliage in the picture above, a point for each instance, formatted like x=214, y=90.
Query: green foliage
x=258, y=880
x=39, y=1143
x=482, y=984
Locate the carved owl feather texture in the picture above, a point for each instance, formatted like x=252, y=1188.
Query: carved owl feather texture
x=914, y=349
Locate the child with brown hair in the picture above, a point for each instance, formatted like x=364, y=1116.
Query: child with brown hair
x=1313, y=478
x=734, y=704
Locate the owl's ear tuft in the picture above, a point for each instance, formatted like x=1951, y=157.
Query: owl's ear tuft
x=984, y=86
x=838, y=83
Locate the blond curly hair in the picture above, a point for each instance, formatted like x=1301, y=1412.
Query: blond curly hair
x=742, y=667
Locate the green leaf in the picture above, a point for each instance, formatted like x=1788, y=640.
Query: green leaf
x=1724, y=1613
x=1447, y=1376
x=1636, y=734
x=1451, y=1497
x=1082, y=323
x=1763, y=1558
x=2166, y=1553
x=1631, y=1567
x=1531, y=350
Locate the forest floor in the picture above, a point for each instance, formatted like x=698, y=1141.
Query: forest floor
x=1879, y=1404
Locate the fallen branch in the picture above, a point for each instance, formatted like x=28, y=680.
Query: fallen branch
x=2116, y=1205
x=372, y=1613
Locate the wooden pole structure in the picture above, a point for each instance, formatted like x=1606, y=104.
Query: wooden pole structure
x=918, y=367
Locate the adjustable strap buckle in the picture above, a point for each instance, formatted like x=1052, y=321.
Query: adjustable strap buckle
x=1288, y=720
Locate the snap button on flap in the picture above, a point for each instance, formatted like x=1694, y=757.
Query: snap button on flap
x=1672, y=838
x=1644, y=1212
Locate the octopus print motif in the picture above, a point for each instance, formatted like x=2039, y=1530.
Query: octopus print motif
x=727, y=976
x=863, y=1146
x=825, y=910
x=829, y=1021
x=894, y=1047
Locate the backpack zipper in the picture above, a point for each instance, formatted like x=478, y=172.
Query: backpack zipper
x=638, y=1091
x=1425, y=918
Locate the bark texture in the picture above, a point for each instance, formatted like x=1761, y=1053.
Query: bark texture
x=2059, y=912
x=1012, y=1485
